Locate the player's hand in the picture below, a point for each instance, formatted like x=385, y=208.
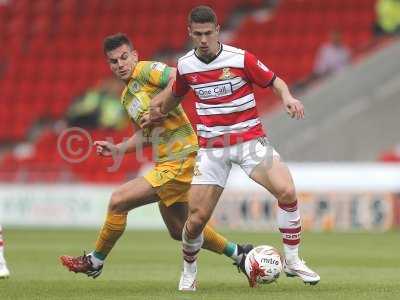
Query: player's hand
x=104, y=148
x=294, y=108
x=153, y=118
x=145, y=121
x=156, y=115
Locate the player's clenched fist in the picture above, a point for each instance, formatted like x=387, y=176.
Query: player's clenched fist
x=153, y=118
x=156, y=115
x=105, y=148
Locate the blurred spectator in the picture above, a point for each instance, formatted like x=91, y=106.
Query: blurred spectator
x=84, y=112
x=99, y=107
x=331, y=56
x=388, y=17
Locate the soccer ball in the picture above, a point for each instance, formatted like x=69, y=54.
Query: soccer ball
x=263, y=264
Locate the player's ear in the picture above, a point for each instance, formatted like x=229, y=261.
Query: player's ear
x=135, y=55
x=217, y=28
x=189, y=31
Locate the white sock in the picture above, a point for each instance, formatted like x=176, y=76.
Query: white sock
x=288, y=217
x=291, y=253
x=190, y=267
x=190, y=249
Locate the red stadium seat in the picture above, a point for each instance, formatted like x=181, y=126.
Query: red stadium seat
x=298, y=28
x=55, y=50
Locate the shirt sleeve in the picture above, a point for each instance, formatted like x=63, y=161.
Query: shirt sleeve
x=156, y=73
x=180, y=87
x=257, y=72
x=164, y=77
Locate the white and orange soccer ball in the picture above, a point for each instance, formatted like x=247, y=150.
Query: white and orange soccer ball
x=263, y=264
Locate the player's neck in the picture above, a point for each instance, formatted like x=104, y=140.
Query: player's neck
x=212, y=55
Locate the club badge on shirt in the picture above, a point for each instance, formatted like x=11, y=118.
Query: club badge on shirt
x=158, y=66
x=134, y=87
x=226, y=74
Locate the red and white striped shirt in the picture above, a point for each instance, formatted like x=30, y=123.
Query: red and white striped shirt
x=225, y=100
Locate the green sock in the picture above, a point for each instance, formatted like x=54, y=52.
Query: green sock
x=230, y=249
x=99, y=255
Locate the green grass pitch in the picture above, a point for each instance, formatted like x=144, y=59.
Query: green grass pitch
x=146, y=265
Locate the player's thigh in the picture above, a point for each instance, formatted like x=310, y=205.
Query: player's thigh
x=274, y=175
x=132, y=194
x=212, y=167
x=174, y=217
x=202, y=200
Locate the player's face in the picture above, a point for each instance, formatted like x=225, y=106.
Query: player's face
x=205, y=38
x=122, y=61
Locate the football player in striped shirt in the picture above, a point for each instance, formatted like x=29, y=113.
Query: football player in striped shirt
x=175, y=148
x=230, y=131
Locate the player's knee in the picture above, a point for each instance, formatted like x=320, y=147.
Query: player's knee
x=198, y=219
x=287, y=195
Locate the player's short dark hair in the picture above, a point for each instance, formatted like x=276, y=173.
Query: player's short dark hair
x=202, y=14
x=114, y=41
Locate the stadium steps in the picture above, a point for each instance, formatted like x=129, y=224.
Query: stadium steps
x=351, y=116
x=287, y=40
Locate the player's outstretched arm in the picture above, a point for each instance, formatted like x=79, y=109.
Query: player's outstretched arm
x=106, y=148
x=293, y=106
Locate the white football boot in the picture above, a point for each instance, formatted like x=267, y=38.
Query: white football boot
x=188, y=277
x=4, y=272
x=298, y=268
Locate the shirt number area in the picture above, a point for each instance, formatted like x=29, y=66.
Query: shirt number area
x=214, y=91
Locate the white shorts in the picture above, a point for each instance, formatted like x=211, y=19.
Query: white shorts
x=214, y=164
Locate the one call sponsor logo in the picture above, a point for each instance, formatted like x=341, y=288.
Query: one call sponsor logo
x=214, y=91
